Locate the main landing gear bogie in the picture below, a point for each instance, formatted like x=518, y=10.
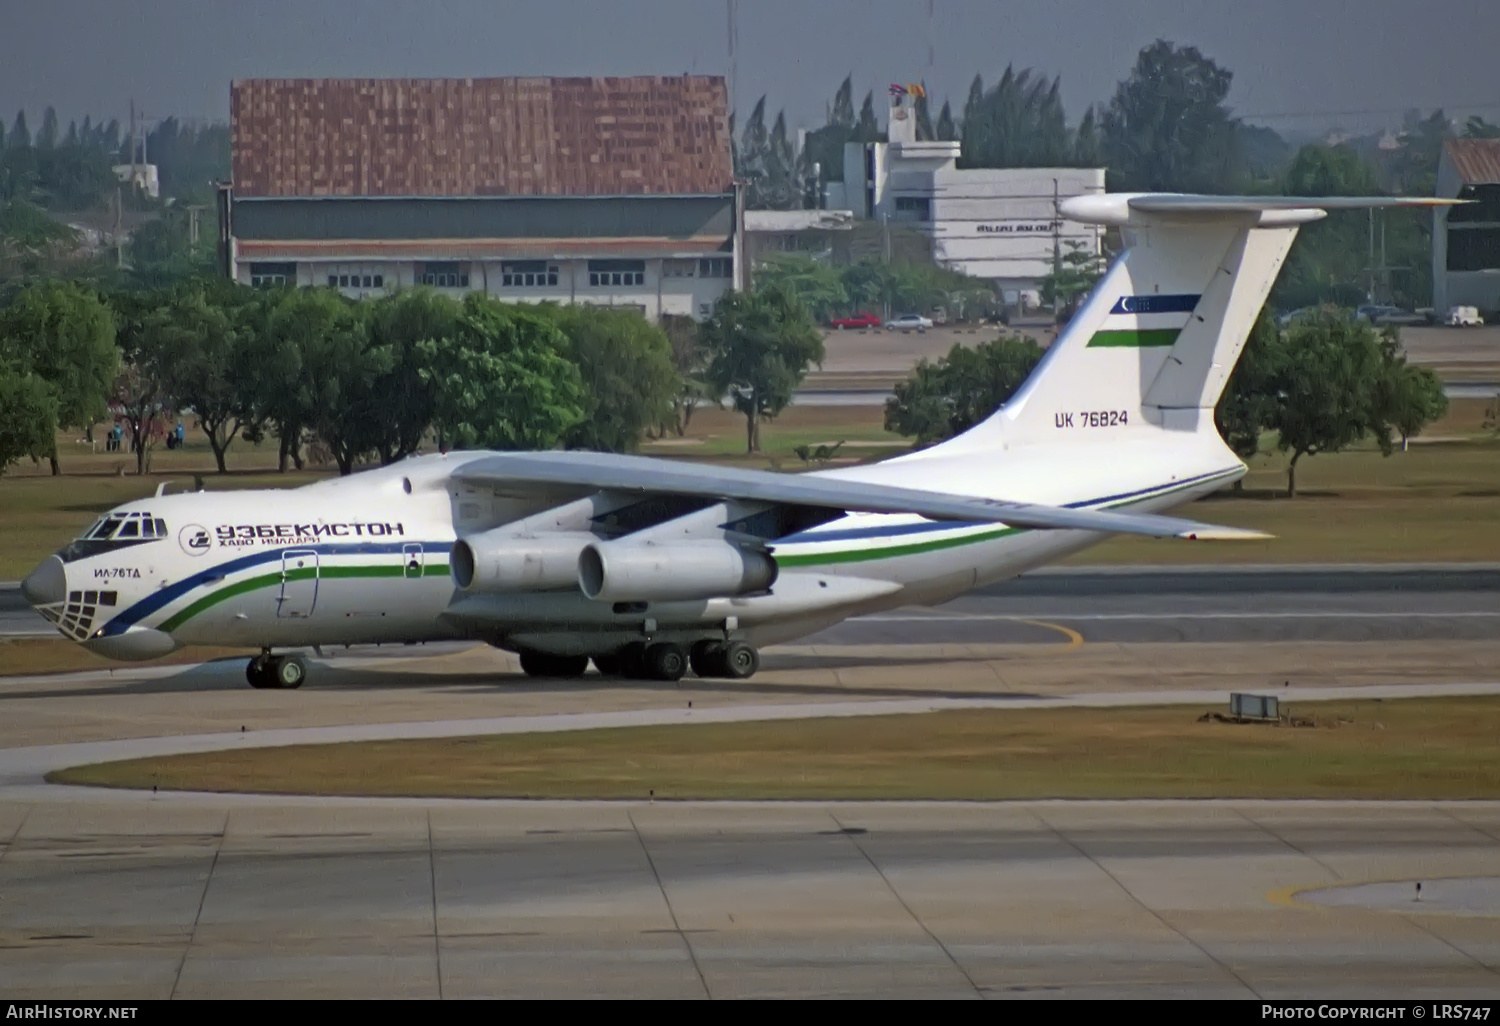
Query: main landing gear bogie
x=284, y=672
x=662, y=660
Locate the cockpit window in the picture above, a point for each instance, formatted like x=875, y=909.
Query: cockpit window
x=104, y=529
x=114, y=531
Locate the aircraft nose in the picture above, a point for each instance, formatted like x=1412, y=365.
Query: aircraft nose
x=46, y=584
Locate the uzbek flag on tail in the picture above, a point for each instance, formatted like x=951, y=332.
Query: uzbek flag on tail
x=1144, y=322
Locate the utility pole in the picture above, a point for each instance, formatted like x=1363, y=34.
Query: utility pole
x=733, y=32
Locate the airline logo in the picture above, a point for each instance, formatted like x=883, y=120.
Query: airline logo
x=1144, y=322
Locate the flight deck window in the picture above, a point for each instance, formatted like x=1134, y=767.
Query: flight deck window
x=131, y=529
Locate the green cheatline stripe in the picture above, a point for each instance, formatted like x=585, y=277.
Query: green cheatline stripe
x=229, y=591
x=1129, y=339
x=910, y=549
x=913, y=548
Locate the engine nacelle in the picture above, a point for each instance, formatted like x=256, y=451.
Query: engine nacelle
x=498, y=562
x=623, y=571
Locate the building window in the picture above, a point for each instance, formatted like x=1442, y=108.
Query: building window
x=716, y=267
x=913, y=208
x=360, y=280
x=679, y=268
x=264, y=276
x=528, y=274
x=1473, y=249
x=444, y=275
x=616, y=273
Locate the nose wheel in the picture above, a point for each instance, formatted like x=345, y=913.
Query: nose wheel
x=268, y=672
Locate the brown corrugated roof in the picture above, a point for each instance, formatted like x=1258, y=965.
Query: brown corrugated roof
x=1477, y=161
x=481, y=136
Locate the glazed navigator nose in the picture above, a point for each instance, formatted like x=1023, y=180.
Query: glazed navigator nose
x=46, y=584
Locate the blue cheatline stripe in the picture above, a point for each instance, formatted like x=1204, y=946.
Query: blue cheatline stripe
x=166, y=596
x=1155, y=304
x=856, y=533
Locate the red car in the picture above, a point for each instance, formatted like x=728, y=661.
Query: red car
x=862, y=320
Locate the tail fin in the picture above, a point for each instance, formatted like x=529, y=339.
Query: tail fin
x=1153, y=346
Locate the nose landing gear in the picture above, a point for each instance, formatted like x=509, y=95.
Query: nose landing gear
x=276, y=672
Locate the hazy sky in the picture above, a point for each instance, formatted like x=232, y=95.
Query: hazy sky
x=1298, y=64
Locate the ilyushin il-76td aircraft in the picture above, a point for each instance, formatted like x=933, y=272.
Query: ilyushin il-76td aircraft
x=648, y=567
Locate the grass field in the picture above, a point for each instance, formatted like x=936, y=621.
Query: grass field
x=1438, y=748
x=20, y=656
x=1438, y=502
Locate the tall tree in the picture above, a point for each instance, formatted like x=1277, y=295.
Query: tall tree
x=46, y=136
x=205, y=359
x=399, y=325
x=1478, y=128
x=867, y=127
x=760, y=345
x=20, y=136
x=1088, y=148
x=825, y=146
x=1328, y=388
x=1408, y=397
x=1421, y=145
x=501, y=380
x=1018, y=123
x=815, y=284
x=626, y=372
x=946, y=398
x=295, y=362
x=946, y=130
x=28, y=417
x=1168, y=127
x=975, y=99
x=141, y=392
x=690, y=362
x=61, y=333
x=1247, y=409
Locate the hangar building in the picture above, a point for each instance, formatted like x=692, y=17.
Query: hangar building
x=1466, y=239
x=609, y=191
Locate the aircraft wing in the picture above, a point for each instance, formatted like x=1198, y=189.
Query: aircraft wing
x=525, y=473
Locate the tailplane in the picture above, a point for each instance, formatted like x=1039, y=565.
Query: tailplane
x=1152, y=347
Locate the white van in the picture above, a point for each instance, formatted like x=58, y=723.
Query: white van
x=1463, y=317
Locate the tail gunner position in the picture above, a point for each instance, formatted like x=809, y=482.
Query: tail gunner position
x=648, y=566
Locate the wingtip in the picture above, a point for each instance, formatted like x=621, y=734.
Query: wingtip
x=1224, y=534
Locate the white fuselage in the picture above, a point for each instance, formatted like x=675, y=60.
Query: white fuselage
x=365, y=559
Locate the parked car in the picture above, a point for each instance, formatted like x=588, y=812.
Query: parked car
x=1287, y=318
x=1379, y=315
x=906, y=322
x=1463, y=317
x=859, y=320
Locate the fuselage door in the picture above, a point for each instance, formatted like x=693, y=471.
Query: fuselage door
x=411, y=560
x=299, y=583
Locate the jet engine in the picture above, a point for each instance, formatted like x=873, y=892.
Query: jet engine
x=499, y=562
x=624, y=571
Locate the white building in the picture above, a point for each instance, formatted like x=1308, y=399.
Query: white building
x=1000, y=225
x=1466, y=239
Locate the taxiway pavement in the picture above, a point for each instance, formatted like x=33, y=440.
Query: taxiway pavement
x=200, y=896
x=126, y=894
